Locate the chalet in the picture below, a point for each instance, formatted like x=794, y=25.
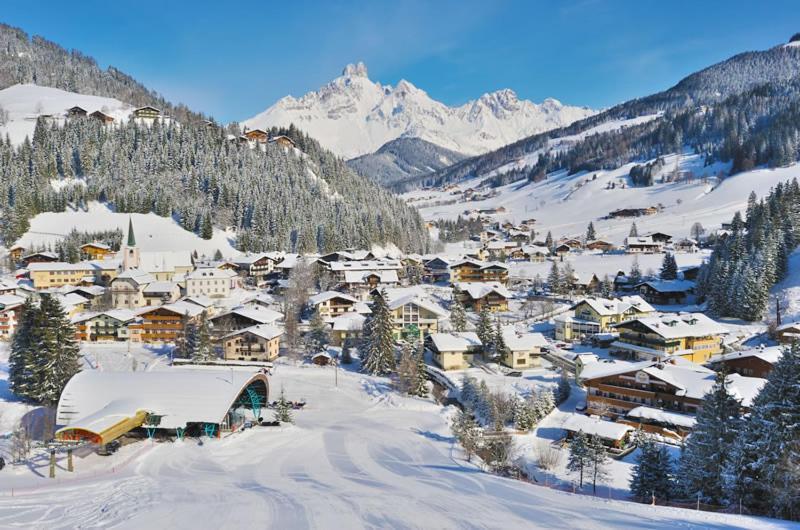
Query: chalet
x=127, y=289
x=613, y=435
x=96, y=250
x=474, y=295
x=572, y=243
x=113, y=325
x=469, y=270
x=685, y=245
x=454, y=351
x=161, y=292
x=256, y=266
x=241, y=317
x=39, y=257
x=15, y=252
x=348, y=326
x=601, y=245
x=645, y=393
x=788, y=333
x=642, y=245
x=591, y=316
x=490, y=235
x=322, y=358
x=211, y=282
x=500, y=249
x=257, y=136
x=331, y=304
x=93, y=293
x=535, y=253
x=661, y=237
x=691, y=272
x=57, y=274
x=255, y=343
x=339, y=268
x=523, y=350
x=585, y=283
x=666, y=292
x=10, y=309
x=361, y=282
x=757, y=362
x=562, y=250
x=76, y=111
x=414, y=315
x=436, y=270
x=692, y=336
x=521, y=237
x=283, y=141
x=633, y=212
x=147, y=113
x=165, y=324
x=101, y=117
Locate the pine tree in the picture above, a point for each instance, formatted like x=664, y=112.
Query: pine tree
x=554, y=279
x=564, y=389
x=597, y=461
x=634, y=232
x=319, y=334
x=578, y=461
x=653, y=473
x=419, y=385
x=468, y=393
x=380, y=340
x=468, y=433
x=406, y=368
x=59, y=349
x=669, y=267
x=606, y=287
x=590, y=232
x=761, y=471
x=708, y=448
x=199, y=344
x=548, y=242
x=635, y=276
x=283, y=409
x=523, y=415
x=499, y=347
x=458, y=316
x=22, y=369
x=484, y=329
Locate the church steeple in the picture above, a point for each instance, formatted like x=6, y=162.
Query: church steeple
x=131, y=237
x=130, y=254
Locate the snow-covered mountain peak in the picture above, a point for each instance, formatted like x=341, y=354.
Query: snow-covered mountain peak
x=353, y=115
x=355, y=70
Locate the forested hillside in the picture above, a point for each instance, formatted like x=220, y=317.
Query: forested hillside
x=748, y=101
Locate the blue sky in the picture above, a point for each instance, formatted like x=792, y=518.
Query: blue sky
x=233, y=59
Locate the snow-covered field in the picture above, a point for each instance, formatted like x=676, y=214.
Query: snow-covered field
x=359, y=456
x=24, y=103
x=565, y=204
x=153, y=233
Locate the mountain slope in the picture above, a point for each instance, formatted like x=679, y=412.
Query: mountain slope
x=354, y=116
x=398, y=160
x=696, y=110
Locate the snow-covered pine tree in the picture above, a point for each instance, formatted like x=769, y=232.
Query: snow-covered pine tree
x=201, y=348
x=484, y=329
x=319, y=334
x=22, y=360
x=669, y=267
x=707, y=449
x=406, y=368
x=634, y=231
x=419, y=385
x=635, y=275
x=606, y=287
x=468, y=392
x=523, y=415
x=380, y=341
x=499, y=346
x=564, y=388
x=597, y=461
x=590, y=232
x=578, y=460
x=761, y=471
x=468, y=433
x=60, y=349
x=283, y=409
x=554, y=279
x=458, y=316
x=548, y=241
x=653, y=472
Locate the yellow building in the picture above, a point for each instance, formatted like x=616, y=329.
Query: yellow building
x=96, y=250
x=692, y=336
x=331, y=304
x=523, y=350
x=470, y=270
x=454, y=351
x=475, y=295
x=256, y=343
x=591, y=316
x=412, y=310
x=58, y=274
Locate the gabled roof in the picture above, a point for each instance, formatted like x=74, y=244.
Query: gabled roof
x=669, y=286
x=349, y=322
x=522, y=341
x=641, y=240
x=616, y=306
x=413, y=295
x=265, y=331
x=330, y=295
x=256, y=314
x=671, y=326
x=477, y=290
x=97, y=245
x=455, y=342
x=360, y=276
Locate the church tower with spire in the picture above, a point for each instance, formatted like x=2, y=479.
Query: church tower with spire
x=130, y=252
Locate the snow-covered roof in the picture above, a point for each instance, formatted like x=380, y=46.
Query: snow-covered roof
x=71, y=300
x=367, y=265
x=8, y=301
x=663, y=416
x=160, y=287
x=330, y=295
x=61, y=266
x=669, y=286
x=455, y=342
x=261, y=315
x=413, y=295
x=94, y=400
x=139, y=276
x=673, y=326
x=349, y=322
x=596, y=427
x=769, y=354
x=264, y=331
x=641, y=240
x=522, y=341
x=477, y=290
x=97, y=245
x=360, y=276
x=616, y=306
x=206, y=273
x=479, y=264
x=536, y=249
x=200, y=300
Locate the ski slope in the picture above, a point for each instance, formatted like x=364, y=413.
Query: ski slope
x=564, y=204
x=153, y=233
x=25, y=103
x=360, y=456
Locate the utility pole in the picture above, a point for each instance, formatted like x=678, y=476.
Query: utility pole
x=52, y=462
x=70, y=468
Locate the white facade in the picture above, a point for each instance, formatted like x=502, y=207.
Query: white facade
x=210, y=282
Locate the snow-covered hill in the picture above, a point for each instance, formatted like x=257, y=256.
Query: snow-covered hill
x=153, y=233
x=25, y=103
x=564, y=204
x=353, y=116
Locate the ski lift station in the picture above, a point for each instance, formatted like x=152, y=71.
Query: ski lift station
x=99, y=407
